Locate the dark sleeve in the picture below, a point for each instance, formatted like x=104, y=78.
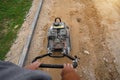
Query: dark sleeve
x=10, y=71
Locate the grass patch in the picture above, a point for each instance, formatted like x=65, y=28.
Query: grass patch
x=12, y=14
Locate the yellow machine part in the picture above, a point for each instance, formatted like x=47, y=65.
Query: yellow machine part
x=58, y=27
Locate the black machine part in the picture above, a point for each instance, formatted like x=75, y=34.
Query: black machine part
x=59, y=38
x=58, y=66
x=57, y=18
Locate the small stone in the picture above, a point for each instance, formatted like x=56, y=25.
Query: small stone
x=109, y=70
x=86, y=52
x=16, y=26
x=106, y=60
x=114, y=61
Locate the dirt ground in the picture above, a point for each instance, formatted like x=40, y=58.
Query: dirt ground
x=94, y=28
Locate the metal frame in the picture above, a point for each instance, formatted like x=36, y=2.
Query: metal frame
x=74, y=60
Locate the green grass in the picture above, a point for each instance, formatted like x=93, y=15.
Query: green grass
x=12, y=14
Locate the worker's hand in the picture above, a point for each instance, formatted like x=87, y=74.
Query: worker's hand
x=33, y=66
x=67, y=69
x=69, y=73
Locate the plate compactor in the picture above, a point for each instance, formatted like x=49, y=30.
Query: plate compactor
x=58, y=42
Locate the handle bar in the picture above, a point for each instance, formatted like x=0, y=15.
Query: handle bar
x=56, y=65
x=58, y=19
x=74, y=60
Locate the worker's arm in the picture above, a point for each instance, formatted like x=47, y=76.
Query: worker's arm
x=68, y=73
x=10, y=71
